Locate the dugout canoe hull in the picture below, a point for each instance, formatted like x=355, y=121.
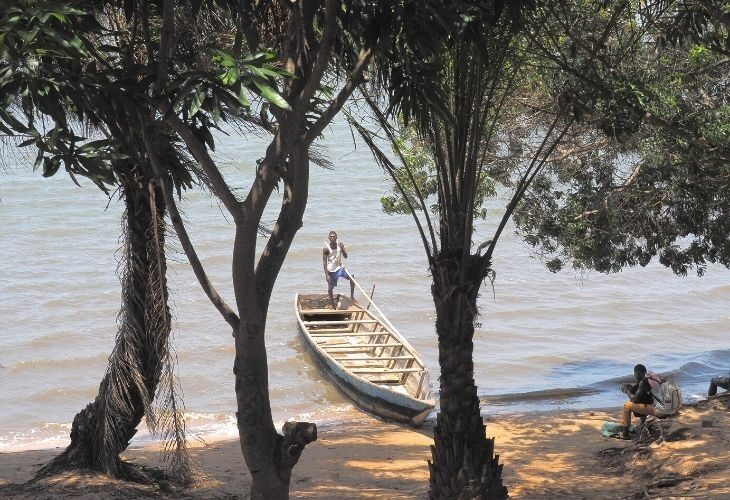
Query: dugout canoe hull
x=366, y=358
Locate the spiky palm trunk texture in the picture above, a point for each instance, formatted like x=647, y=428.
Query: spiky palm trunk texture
x=463, y=463
x=102, y=430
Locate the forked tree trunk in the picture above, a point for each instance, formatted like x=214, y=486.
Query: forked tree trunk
x=463, y=465
x=102, y=430
x=270, y=456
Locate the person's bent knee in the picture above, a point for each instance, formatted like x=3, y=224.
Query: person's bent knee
x=723, y=382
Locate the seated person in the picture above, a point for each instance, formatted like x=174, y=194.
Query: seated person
x=722, y=382
x=641, y=401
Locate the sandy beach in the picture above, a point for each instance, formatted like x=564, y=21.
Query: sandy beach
x=547, y=455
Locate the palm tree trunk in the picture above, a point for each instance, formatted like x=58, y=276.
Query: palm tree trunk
x=102, y=430
x=463, y=463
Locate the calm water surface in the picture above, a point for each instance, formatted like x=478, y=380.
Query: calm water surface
x=546, y=340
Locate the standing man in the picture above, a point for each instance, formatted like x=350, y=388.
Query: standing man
x=332, y=255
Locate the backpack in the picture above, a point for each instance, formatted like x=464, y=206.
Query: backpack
x=666, y=393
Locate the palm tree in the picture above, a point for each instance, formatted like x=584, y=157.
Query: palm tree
x=68, y=90
x=140, y=366
x=463, y=464
x=458, y=106
x=454, y=107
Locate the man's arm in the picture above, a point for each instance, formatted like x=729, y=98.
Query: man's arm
x=325, y=253
x=342, y=248
x=630, y=391
x=642, y=390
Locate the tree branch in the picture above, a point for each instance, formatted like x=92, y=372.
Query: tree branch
x=329, y=35
x=430, y=251
x=293, y=204
x=187, y=245
x=167, y=34
x=354, y=79
x=388, y=166
x=267, y=173
x=196, y=147
x=527, y=178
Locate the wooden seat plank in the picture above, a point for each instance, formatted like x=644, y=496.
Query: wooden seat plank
x=358, y=346
x=326, y=311
x=387, y=370
x=319, y=333
x=374, y=358
x=341, y=322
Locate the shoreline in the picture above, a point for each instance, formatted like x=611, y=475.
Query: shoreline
x=554, y=454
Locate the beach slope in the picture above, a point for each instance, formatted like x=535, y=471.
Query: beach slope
x=547, y=455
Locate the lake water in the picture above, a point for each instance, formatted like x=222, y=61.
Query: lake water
x=546, y=340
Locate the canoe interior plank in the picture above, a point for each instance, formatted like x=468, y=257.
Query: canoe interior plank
x=387, y=370
x=363, y=367
x=325, y=311
x=341, y=322
x=374, y=358
x=319, y=333
x=335, y=347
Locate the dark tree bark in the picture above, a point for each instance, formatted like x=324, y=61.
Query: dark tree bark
x=306, y=51
x=270, y=456
x=463, y=464
x=102, y=430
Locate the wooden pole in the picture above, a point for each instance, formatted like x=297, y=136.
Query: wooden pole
x=371, y=295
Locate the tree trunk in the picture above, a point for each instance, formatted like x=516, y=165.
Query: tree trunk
x=464, y=465
x=269, y=455
x=102, y=430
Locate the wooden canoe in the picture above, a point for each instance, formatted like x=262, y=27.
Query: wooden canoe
x=365, y=357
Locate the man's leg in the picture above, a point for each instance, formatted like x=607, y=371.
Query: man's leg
x=713, y=388
x=643, y=409
x=352, y=287
x=331, y=283
x=626, y=415
x=722, y=382
x=628, y=409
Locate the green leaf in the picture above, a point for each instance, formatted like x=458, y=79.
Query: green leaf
x=224, y=59
x=51, y=165
x=27, y=142
x=242, y=96
x=271, y=95
x=198, y=100
x=263, y=56
x=73, y=178
x=267, y=71
x=215, y=111
x=13, y=122
x=230, y=77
